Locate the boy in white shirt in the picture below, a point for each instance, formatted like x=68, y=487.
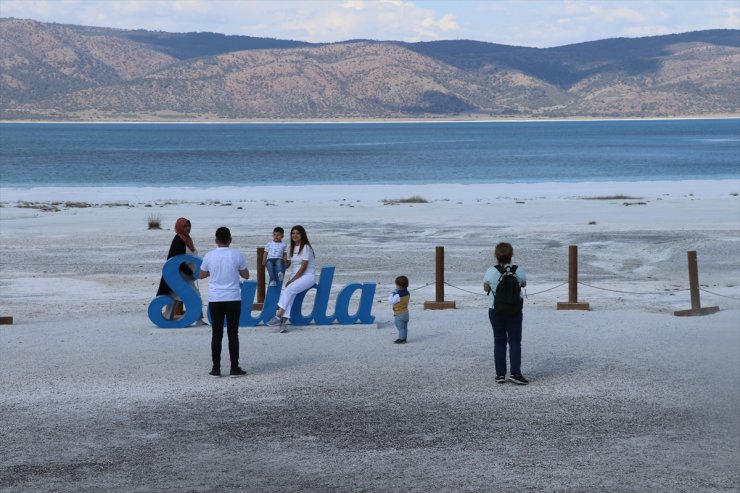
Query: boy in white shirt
x=224, y=266
x=276, y=258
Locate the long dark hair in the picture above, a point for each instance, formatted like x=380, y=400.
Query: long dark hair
x=304, y=239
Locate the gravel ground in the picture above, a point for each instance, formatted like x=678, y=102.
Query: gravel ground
x=619, y=400
x=626, y=397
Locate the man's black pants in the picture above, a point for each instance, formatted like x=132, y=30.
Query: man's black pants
x=231, y=310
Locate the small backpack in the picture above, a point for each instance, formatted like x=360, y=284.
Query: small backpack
x=508, y=298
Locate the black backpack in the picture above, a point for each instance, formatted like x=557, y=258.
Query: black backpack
x=508, y=299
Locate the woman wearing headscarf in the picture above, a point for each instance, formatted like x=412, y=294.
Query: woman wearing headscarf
x=182, y=244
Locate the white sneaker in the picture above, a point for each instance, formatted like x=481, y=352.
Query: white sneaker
x=273, y=321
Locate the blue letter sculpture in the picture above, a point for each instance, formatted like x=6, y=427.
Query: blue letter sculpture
x=191, y=298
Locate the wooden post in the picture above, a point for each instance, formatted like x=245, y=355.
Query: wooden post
x=573, y=303
x=439, y=274
x=696, y=308
x=6, y=320
x=439, y=303
x=260, y=280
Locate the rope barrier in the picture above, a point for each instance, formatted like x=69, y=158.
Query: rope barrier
x=420, y=287
x=627, y=292
x=447, y=283
x=461, y=289
x=527, y=294
x=591, y=286
x=410, y=290
x=720, y=295
x=546, y=290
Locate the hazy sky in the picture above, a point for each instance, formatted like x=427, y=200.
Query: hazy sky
x=538, y=23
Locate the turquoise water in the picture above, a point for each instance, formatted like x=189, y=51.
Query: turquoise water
x=106, y=155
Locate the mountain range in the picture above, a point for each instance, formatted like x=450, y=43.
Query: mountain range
x=68, y=72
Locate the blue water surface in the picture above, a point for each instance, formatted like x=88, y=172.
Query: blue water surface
x=105, y=155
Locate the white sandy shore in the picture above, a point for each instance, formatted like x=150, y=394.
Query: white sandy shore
x=639, y=247
x=626, y=397
x=323, y=194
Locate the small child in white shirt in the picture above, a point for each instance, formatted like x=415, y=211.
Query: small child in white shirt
x=276, y=258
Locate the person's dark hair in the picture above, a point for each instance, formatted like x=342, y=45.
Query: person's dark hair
x=504, y=252
x=223, y=235
x=403, y=281
x=278, y=229
x=304, y=239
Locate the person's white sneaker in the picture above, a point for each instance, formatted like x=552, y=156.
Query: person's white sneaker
x=273, y=321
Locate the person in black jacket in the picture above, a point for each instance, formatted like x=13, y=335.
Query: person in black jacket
x=181, y=244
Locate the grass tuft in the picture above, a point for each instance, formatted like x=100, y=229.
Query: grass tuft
x=415, y=199
x=76, y=205
x=42, y=206
x=611, y=197
x=154, y=221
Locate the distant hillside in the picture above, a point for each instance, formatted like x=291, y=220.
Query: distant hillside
x=566, y=65
x=53, y=71
x=190, y=45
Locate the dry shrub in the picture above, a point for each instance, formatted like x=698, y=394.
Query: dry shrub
x=415, y=199
x=76, y=205
x=42, y=206
x=154, y=221
x=611, y=197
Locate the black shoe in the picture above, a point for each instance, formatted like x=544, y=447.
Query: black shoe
x=518, y=378
x=500, y=378
x=399, y=341
x=237, y=372
x=215, y=372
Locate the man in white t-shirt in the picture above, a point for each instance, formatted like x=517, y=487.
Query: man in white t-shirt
x=224, y=266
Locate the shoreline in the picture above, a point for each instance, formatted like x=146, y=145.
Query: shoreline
x=320, y=121
x=317, y=193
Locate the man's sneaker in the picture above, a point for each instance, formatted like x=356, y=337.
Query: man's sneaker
x=283, y=327
x=215, y=372
x=237, y=372
x=272, y=284
x=518, y=378
x=273, y=321
x=500, y=379
x=399, y=341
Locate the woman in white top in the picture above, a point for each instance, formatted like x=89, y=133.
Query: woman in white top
x=303, y=275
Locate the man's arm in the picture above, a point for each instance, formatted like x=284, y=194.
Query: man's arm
x=203, y=274
x=244, y=273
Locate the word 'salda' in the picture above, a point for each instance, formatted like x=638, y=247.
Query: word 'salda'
x=190, y=297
